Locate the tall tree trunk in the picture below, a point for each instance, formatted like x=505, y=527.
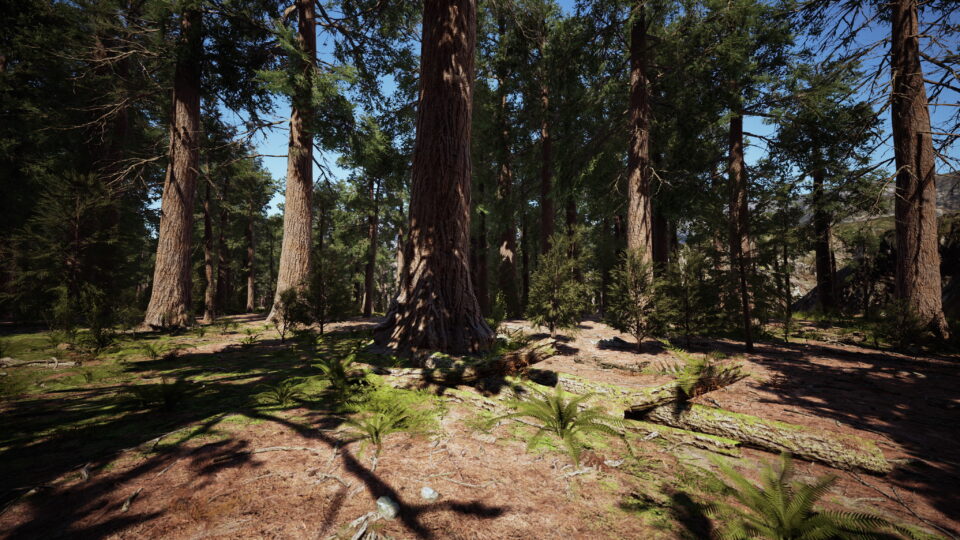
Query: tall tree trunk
x=661, y=239
x=918, y=259
x=547, y=211
x=251, y=253
x=170, y=298
x=482, y=284
x=224, y=285
x=821, y=230
x=373, y=224
x=507, y=267
x=296, y=249
x=210, y=284
x=507, y=250
x=739, y=239
x=639, y=223
x=435, y=307
x=525, y=247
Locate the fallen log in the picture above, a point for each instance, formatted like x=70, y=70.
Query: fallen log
x=840, y=451
x=676, y=436
x=446, y=371
x=52, y=362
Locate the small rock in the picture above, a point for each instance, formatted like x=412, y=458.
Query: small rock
x=64, y=347
x=485, y=438
x=429, y=493
x=613, y=462
x=387, y=507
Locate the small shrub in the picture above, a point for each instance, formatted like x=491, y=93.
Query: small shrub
x=283, y=393
x=152, y=350
x=200, y=330
x=250, y=339
x=633, y=299
x=559, y=292
x=780, y=508
x=563, y=418
x=291, y=312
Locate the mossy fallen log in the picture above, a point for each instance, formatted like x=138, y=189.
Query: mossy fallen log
x=446, y=371
x=644, y=430
x=840, y=451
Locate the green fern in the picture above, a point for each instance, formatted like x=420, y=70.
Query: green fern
x=564, y=419
x=375, y=426
x=340, y=374
x=780, y=509
x=283, y=393
x=700, y=374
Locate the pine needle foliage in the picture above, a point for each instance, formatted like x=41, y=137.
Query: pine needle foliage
x=566, y=418
x=633, y=305
x=782, y=509
x=559, y=294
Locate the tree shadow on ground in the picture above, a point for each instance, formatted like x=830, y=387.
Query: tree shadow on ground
x=911, y=402
x=47, y=441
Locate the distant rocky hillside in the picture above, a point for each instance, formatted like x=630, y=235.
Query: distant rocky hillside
x=948, y=193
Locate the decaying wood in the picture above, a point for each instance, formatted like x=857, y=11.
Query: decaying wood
x=847, y=452
x=54, y=363
x=676, y=436
x=452, y=372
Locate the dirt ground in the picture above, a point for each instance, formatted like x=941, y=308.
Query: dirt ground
x=294, y=475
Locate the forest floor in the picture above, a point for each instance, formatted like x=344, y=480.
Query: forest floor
x=82, y=456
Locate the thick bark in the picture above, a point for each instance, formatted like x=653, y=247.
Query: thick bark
x=170, y=298
x=824, y=256
x=547, y=211
x=525, y=248
x=918, y=259
x=507, y=248
x=435, y=308
x=739, y=239
x=296, y=248
x=483, y=273
x=209, y=290
x=840, y=451
x=661, y=239
x=373, y=224
x=224, y=284
x=639, y=214
x=251, y=259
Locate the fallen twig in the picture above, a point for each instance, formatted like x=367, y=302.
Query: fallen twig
x=129, y=501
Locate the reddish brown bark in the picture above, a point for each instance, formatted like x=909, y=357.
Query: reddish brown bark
x=547, y=210
x=639, y=213
x=251, y=253
x=296, y=248
x=826, y=296
x=661, y=239
x=739, y=239
x=435, y=307
x=170, y=298
x=224, y=284
x=373, y=224
x=918, y=282
x=209, y=290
